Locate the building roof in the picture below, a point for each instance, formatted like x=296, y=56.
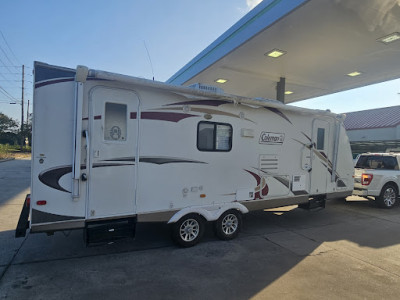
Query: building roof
x=373, y=118
x=328, y=46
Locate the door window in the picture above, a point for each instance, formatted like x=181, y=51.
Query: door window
x=115, y=122
x=321, y=139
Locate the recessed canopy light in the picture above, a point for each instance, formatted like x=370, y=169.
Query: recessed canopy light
x=221, y=80
x=275, y=53
x=288, y=92
x=353, y=74
x=390, y=38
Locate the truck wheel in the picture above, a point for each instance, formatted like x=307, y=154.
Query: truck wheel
x=188, y=231
x=228, y=225
x=388, y=196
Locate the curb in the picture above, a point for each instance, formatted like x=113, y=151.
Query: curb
x=6, y=159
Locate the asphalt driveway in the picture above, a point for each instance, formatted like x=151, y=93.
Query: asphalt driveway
x=350, y=250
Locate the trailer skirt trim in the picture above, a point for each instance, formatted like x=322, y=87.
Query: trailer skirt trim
x=272, y=203
x=45, y=217
x=57, y=226
x=339, y=194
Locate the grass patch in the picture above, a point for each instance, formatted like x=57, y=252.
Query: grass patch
x=8, y=151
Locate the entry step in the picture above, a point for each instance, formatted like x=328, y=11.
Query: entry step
x=317, y=202
x=107, y=231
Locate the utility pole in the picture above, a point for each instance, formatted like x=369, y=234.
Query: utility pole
x=22, y=109
x=27, y=113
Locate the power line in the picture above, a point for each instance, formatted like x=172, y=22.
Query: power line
x=13, y=85
x=19, y=74
x=4, y=92
x=10, y=72
x=9, y=77
x=5, y=54
x=9, y=48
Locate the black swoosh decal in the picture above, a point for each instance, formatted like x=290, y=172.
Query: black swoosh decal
x=279, y=113
x=156, y=160
x=167, y=160
x=51, y=177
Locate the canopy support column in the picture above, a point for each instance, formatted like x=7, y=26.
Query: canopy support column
x=280, y=89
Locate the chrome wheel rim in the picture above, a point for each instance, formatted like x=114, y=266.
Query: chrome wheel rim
x=389, y=197
x=230, y=224
x=189, y=230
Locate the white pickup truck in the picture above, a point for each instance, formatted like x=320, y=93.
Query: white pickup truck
x=378, y=175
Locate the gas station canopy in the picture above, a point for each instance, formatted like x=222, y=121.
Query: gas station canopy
x=293, y=50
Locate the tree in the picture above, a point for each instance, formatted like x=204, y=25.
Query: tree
x=8, y=130
x=7, y=124
x=28, y=132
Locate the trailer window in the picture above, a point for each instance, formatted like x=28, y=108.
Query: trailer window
x=321, y=139
x=214, y=136
x=115, y=120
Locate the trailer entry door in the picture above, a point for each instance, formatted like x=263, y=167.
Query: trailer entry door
x=113, y=147
x=321, y=157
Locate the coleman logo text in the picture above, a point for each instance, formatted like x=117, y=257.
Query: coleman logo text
x=272, y=138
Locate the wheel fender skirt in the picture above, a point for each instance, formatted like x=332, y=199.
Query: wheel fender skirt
x=209, y=212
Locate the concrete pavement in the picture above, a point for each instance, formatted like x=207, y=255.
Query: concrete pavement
x=14, y=185
x=350, y=250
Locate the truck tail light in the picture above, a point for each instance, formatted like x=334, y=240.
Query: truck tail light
x=366, y=179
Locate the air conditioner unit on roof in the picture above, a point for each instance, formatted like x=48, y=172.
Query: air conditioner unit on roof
x=206, y=88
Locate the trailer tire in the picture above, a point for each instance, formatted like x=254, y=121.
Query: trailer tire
x=388, y=197
x=228, y=225
x=189, y=230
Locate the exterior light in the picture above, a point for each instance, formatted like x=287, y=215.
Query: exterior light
x=221, y=80
x=366, y=178
x=395, y=36
x=275, y=53
x=288, y=92
x=353, y=74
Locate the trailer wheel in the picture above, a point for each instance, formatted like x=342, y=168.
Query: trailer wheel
x=388, y=196
x=189, y=230
x=228, y=225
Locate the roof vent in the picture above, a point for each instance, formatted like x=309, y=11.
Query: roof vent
x=206, y=88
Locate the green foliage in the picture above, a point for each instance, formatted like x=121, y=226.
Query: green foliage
x=9, y=151
x=8, y=130
x=7, y=124
x=8, y=138
x=5, y=151
x=10, y=134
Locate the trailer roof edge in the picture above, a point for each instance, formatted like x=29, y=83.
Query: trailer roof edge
x=104, y=75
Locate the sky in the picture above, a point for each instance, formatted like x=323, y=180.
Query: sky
x=138, y=38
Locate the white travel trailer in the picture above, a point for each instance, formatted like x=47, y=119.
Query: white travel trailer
x=111, y=150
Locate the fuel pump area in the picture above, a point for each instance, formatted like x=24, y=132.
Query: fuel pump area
x=349, y=250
